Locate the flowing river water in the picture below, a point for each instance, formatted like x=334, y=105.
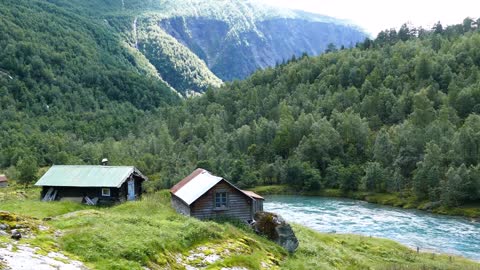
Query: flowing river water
x=413, y=228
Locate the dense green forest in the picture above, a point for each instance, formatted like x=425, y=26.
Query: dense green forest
x=65, y=78
x=58, y=69
x=399, y=113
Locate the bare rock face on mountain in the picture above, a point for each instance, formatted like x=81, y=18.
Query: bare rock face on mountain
x=183, y=45
x=276, y=229
x=196, y=44
x=267, y=43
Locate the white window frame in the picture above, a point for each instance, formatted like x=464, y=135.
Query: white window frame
x=106, y=192
x=221, y=204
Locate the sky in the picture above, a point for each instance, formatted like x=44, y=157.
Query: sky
x=376, y=15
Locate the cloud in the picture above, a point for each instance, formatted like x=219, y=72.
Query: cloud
x=376, y=15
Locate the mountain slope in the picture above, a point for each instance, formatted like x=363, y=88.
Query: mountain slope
x=195, y=44
x=62, y=71
x=235, y=38
x=398, y=114
x=189, y=45
x=59, y=59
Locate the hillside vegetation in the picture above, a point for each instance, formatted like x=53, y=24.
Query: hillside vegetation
x=59, y=70
x=148, y=233
x=398, y=114
x=194, y=45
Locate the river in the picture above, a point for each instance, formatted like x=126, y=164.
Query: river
x=413, y=228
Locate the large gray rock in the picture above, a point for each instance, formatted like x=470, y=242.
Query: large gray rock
x=276, y=229
x=16, y=235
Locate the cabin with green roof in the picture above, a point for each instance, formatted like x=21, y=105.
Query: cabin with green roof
x=91, y=184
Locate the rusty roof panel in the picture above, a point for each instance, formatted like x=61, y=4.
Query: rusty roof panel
x=187, y=179
x=195, y=185
x=199, y=182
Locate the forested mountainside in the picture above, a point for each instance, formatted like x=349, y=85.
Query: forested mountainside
x=54, y=62
x=196, y=44
x=398, y=114
x=395, y=114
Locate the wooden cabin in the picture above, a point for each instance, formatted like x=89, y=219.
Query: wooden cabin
x=3, y=181
x=205, y=196
x=92, y=184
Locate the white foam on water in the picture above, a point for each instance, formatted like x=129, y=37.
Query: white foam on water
x=413, y=228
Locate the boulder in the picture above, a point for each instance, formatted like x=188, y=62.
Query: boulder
x=16, y=235
x=276, y=229
x=3, y=227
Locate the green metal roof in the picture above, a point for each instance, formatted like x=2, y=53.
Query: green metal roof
x=87, y=176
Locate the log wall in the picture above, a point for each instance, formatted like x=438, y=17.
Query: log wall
x=180, y=206
x=239, y=205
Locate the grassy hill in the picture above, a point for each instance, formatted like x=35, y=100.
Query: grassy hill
x=148, y=233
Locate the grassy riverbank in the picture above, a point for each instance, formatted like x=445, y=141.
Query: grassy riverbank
x=148, y=233
x=392, y=199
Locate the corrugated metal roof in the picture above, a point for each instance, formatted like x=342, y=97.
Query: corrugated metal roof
x=199, y=182
x=87, y=176
x=253, y=194
x=3, y=178
x=195, y=185
x=187, y=179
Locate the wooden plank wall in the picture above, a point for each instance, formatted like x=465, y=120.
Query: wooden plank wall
x=239, y=205
x=258, y=205
x=91, y=192
x=116, y=194
x=180, y=206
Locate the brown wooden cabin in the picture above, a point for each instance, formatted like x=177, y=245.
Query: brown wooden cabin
x=91, y=184
x=3, y=181
x=205, y=196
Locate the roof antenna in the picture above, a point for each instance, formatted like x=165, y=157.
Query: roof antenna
x=104, y=162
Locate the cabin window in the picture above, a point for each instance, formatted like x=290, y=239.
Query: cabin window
x=221, y=200
x=106, y=192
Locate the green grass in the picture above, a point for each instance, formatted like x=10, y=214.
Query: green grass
x=149, y=233
x=146, y=232
x=333, y=251
x=25, y=200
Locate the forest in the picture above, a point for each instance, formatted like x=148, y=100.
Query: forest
x=399, y=113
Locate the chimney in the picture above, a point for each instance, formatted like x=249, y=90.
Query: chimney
x=104, y=162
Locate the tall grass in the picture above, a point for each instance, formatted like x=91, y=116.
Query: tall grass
x=150, y=233
x=333, y=251
x=26, y=201
x=135, y=234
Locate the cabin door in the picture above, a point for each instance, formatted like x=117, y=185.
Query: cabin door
x=131, y=190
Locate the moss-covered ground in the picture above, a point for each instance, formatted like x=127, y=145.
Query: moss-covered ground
x=148, y=233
